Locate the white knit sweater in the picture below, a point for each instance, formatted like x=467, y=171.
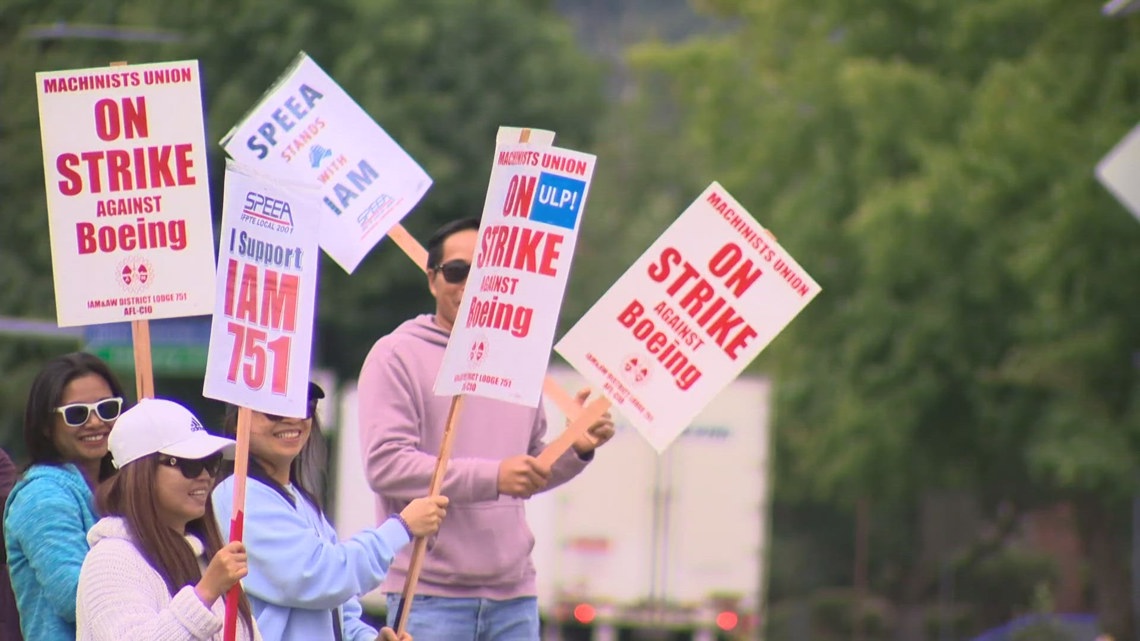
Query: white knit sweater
x=122, y=598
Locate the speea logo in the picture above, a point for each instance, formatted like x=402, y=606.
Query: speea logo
x=269, y=210
x=317, y=155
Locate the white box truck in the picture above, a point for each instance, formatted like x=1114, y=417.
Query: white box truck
x=675, y=541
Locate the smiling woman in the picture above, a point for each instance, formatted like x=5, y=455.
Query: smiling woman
x=72, y=405
x=157, y=567
x=289, y=536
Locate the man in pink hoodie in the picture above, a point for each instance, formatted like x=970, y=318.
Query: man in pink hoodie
x=477, y=582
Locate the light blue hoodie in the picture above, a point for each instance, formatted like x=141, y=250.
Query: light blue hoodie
x=298, y=571
x=45, y=530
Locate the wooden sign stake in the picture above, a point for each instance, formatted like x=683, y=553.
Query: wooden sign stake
x=144, y=373
x=434, y=488
x=586, y=416
x=237, y=520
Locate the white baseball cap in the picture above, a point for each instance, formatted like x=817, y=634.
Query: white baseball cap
x=158, y=425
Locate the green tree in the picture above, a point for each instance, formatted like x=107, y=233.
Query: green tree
x=931, y=165
x=442, y=76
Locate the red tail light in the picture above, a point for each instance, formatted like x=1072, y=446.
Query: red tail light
x=727, y=620
x=584, y=613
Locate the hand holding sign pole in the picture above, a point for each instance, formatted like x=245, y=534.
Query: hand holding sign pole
x=583, y=418
x=415, y=564
x=500, y=343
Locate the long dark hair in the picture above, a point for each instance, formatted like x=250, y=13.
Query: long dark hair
x=306, y=471
x=130, y=494
x=45, y=395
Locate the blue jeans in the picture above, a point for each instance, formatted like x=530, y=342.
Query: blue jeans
x=437, y=618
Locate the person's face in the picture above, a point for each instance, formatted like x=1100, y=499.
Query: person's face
x=87, y=443
x=178, y=499
x=458, y=246
x=275, y=443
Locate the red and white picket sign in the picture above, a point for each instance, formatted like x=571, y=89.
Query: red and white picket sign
x=694, y=310
x=262, y=328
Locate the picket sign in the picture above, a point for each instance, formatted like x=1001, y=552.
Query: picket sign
x=1117, y=171
x=578, y=426
x=688, y=316
x=262, y=327
x=118, y=254
x=495, y=353
x=307, y=128
x=585, y=417
x=265, y=294
x=418, y=256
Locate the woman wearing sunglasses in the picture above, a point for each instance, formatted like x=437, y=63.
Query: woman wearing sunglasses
x=157, y=569
x=72, y=405
x=302, y=581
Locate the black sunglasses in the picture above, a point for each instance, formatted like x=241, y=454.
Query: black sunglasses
x=192, y=468
x=454, y=271
x=77, y=414
x=311, y=409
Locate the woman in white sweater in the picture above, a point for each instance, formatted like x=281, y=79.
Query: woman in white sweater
x=157, y=569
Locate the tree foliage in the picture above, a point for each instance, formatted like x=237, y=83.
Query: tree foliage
x=930, y=164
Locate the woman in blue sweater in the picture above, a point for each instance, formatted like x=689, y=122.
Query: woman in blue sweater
x=72, y=405
x=303, y=582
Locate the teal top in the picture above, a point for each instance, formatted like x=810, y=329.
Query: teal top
x=46, y=520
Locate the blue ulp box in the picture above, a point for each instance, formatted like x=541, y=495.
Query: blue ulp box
x=557, y=200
